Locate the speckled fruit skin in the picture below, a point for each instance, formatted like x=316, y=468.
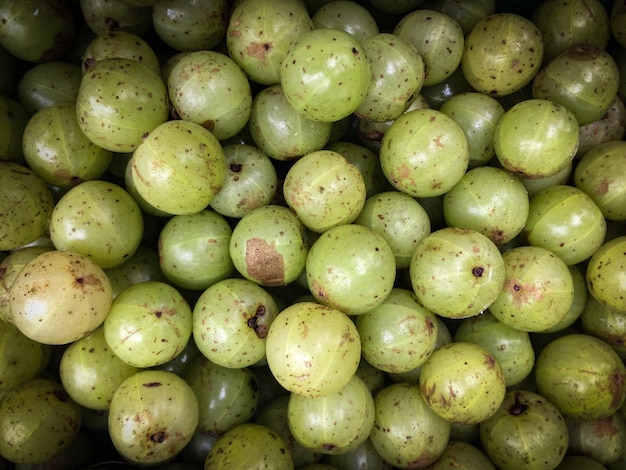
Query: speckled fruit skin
x=231, y=320
x=397, y=70
x=424, y=153
x=249, y=445
x=324, y=190
x=58, y=151
x=153, y=415
x=59, y=297
x=398, y=335
x=493, y=62
x=605, y=274
x=350, y=268
x=325, y=356
x=538, y=289
x=456, y=273
x=102, y=15
x=407, y=433
x=148, y=324
x=490, y=201
x=260, y=32
x=49, y=83
x=606, y=324
x=437, y=37
x=190, y=26
x=601, y=173
x=334, y=423
x=511, y=347
x=584, y=78
x=599, y=439
x=179, y=167
x=201, y=239
x=582, y=376
x=564, y=220
x=21, y=358
x=462, y=455
x=90, y=371
x=120, y=101
x=26, y=204
x=325, y=74
x=119, y=44
x=37, y=420
x=536, y=138
x=268, y=246
x=209, y=89
x=527, y=431
x=462, y=382
x=565, y=23
x=99, y=220
x=227, y=396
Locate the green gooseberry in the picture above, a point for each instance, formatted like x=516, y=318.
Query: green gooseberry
x=226, y=396
x=478, y=115
x=21, y=358
x=511, y=347
x=462, y=455
x=268, y=246
x=102, y=16
x=325, y=74
x=179, y=167
x=52, y=20
x=49, y=83
x=90, y=371
x=350, y=268
x=119, y=44
x=260, y=33
x=467, y=14
x=249, y=445
x=37, y=420
x=527, y=431
x=325, y=356
x=612, y=126
x=538, y=290
x=58, y=151
x=399, y=219
x=362, y=456
x=604, y=323
x=59, y=297
x=574, y=462
x=463, y=383
x=366, y=161
x=208, y=88
x=348, y=16
x=565, y=23
x=490, y=201
x=335, y=422
x=437, y=37
x=152, y=417
x=99, y=220
x=581, y=294
x=148, y=324
x=494, y=61
x=603, y=440
x=456, y=273
x=605, y=274
x=534, y=185
x=600, y=173
x=190, y=26
x=407, y=432
x=194, y=250
x=231, y=320
x=424, y=153
x=13, y=121
x=584, y=78
x=397, y=71
x=142, y=266
x=398, y=335
x=26, y=204
x=324, y=190
x=280, y=131
x=536, y=138
x=251, y=181
x=564, y=220
x=582, y=376
x=119, y=102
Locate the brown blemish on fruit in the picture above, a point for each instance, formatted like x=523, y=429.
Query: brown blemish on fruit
x=264, y=262
x=517, y=408
x=605, y=427
x=158, y=437
x=259, y=328
x=522, y=293
x=603, y=187
x=152, y=384
x=258, y=49
x=616, y=386
x=490, y=361
x=209, y=125
x=478, y=271
x=89, y=280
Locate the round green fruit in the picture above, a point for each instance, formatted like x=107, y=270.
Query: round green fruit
x=605, y=274
x=325, y=74
x=325, y=356
x=21, y=358
x=582, y=376
x=152, y=417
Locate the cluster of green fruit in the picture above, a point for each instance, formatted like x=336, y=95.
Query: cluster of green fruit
x=308, y=234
